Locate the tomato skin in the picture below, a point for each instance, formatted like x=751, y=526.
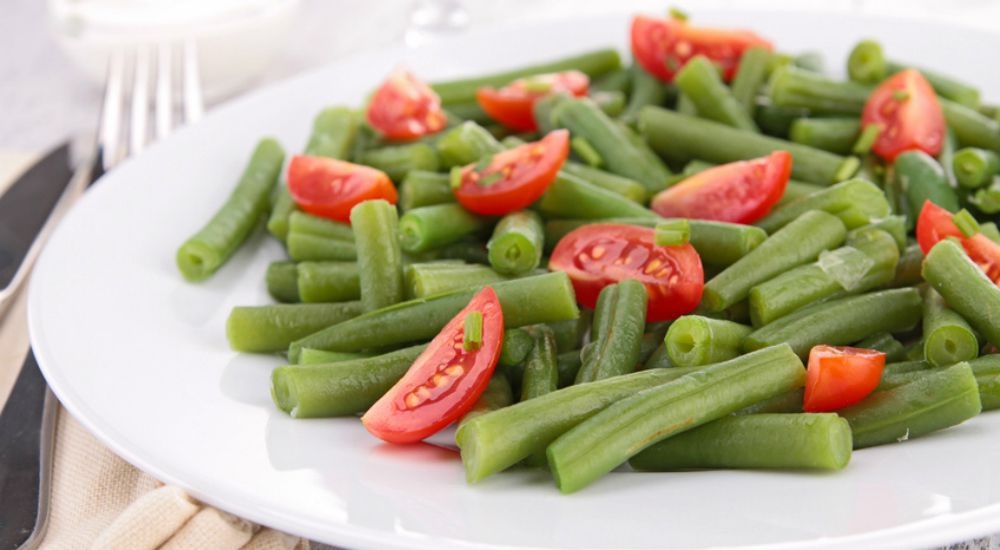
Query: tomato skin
x=935, y=224
x=984, y=253
x=329, y=188
x=663, y=45
x=404, y=108
x=513, y=105
x=738, y=192
x=588, y=255
x=914, y=121
x=838, y=377
x=444, y=382
x=530, y=168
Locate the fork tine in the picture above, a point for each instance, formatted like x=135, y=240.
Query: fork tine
x=164, y=91
x=109, y=129
x=140, y=101
x=193, y=103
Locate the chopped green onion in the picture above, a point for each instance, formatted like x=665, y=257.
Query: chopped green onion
x=673, y=232
x=536, y=85
x=472, y=337
x=867, y=138
x=901, y=95
x=847, y=169
x=966, y=223
x=483, y=163
x=489, y=179
x=678, y=14
x=586, y=151
x=455, y=177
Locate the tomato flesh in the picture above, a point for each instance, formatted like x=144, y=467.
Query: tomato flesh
x=663, y=45
x=909, y=115
x=595, y=256
x=515, y=178
x=330, y=188
x=935, y=223
x=405, y=108
x=838, y=377
x=513, y=105
x=444, y=382
x=738, y=192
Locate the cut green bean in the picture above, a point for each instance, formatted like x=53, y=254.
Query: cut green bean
x=497, y=395
x=541, y=368
x=895, y=226
x=625, y=187
x=841, y=322
x=428, y=279
x=933, y=402
x=263, y=329
x=527, y=301
x=517, y=243
x=699, y=79
x=903, y=367
x=975, y=167
x=794, y=87
x=282, y=282
x=788, y=402
x=398, y=160
x=856, y=202
x=777, y=121
x=948, y=338
x=586, y=152
x=694, y=340
x=328, y=281
x=799, y=242
x=205, y=252
x=619, y=322
x=303, y=247
x=602, y=442
x=837, y=135
x=991, y=231
x=750, y=77
x=971, y=128
x=282, y=206
x=787, y=441
x=966, y=289
x=866, y=63
x=987, y=199
x=681, y=138
x=466, y=144
x=908, y=268
x=517, y=344
x=333, y=134
x=339, y=389
x=921, y=178
x=987, y=371
x=673, y=232
x=469, y=111
x=380, y=262
x=646, y=89
x=430, y=227
x=884, y=342
x=618, y=80
x=571, y=197
x=422, y=188
x=568, y=364
x=307, y=224
x=320, y=357
x=569, y=334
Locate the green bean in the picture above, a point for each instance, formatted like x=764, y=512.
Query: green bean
x=866, y=64
x=966, y=289
x=672, y=232
x=568, y=363
x=945, y=86
x=923, y=179
x=328, y=281
x=903, y=367
x=282, y=206
x=797, y=243
x=700, y=80
x=991, y=231
x=868, y=261
x=380, y=262
x=600, y=443
x=569, y=334
x=681, y=138
x=307, y=224
x=908, y=269
x=987, y=199
x=975, y=167
x=205, y=252
x=659, y=359
x=611, y=103
x=496, y=441
x=800, y=441
x=750, y=77
x=625, y=187
x=594, y=64
x=793, y=87
x=836, y=135
x=987, y=371
x=788, y=402
x=856, y=202
x=517, y=243
x=948, y=338
x=497, y=395
x=646, y=89
x=971, y=128
x=282, y=281
x=895, y=226
x=320, y=357
x=303, y=247
x=262, y=329
x=618, y=80
x=541, y=369
x=544, y=108
x=621, y=154
x=421, y=188
x=694, y=340
x=517, y=344
x=933, y=402
x=777, y=121
x=841, y=322
x=619, y=321
x=527, y=301
x=572, y=197
x=466, y=144
x=685, y=105
x=398, y=160
x=334, y=131
x=884, y=342
x=429, y=279
x=795, y=190
x=366, y=139
x=339, y=389
x=810, y=61
x=468, y=111
x=583, y=150
x=430, y=227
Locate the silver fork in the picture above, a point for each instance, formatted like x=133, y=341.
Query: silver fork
x=123, y=131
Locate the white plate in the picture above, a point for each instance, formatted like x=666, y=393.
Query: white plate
x=140, y=357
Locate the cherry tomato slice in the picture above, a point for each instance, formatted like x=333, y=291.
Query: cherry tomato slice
x=984, y=253
x=906, y=109
x=405, y=108
x=935, y=223
x=515, y=178
x=663, y=45
x=513, y=105
x=330, y=188
x=738, y=192
x=840, y=376
x=444, y=382
x=595, y=256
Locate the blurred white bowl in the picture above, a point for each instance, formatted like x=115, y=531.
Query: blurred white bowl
x=237, y=39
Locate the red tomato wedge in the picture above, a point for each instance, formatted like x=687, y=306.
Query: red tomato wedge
x=330, y=188
x=663, y=45
x=595, y=256
x=840, y=376
x=907, y=111
x=405, y=108
x=935, y=223
x=515, y=178
x=738, y=192
x=513, y=105
x=444, y=382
